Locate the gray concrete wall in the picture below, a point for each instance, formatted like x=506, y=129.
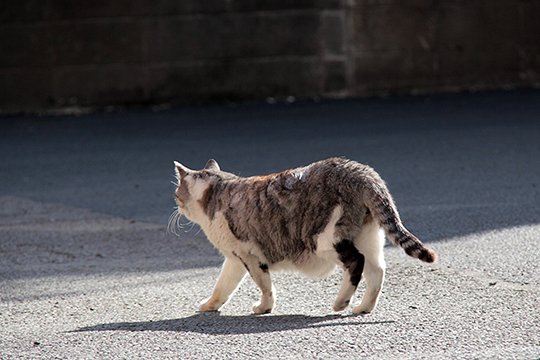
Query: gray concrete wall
x=61, y=53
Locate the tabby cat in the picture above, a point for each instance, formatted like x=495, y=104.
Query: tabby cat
x=310, y=219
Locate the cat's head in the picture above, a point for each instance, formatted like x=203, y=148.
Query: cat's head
x=192, y=186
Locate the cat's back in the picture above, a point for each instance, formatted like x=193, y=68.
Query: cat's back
x=339, y=175
x=304, y=192
x=325, y=178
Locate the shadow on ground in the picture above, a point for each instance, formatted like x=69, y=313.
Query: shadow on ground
x=216, y=324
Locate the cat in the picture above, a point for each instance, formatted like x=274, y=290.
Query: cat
x=309, y=219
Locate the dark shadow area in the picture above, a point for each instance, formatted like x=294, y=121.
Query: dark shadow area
x=216, y=324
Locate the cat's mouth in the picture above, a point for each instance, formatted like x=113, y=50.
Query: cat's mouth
x=180, y=206
x=178, y=201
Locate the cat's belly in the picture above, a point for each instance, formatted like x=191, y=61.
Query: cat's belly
x=322, y=262
x=310, y=265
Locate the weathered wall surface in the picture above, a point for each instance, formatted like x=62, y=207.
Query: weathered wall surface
x=59, y=52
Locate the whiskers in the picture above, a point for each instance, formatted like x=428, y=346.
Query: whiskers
x=174, y=223
x=176, y=181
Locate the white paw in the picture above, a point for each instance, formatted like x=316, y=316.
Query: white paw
x=362, y=309
x=209, y=305
x=264, y=306
x=259, y=310
x=340, y=305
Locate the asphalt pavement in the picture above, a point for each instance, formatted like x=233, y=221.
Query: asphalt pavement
x=88, y=269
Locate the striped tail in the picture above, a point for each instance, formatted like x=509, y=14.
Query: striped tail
x=381, y=205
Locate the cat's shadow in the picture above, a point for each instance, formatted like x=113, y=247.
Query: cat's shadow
x=217, y=324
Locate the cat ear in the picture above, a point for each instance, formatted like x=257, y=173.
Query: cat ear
x=180, y=170
x=212, y=165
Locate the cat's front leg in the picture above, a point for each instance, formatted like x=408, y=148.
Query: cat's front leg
x=260, y=274
x=232, y=273
x=266, y=304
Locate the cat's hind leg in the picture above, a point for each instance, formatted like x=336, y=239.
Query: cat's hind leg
x=260, y=274
x=374, y=274
x=232, y=273
x=352, y=262
x=371, y=243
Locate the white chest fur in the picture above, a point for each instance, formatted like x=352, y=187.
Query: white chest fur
x=218, y=232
